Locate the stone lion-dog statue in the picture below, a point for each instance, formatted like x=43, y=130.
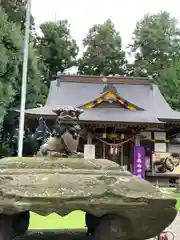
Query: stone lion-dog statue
x=64, y=139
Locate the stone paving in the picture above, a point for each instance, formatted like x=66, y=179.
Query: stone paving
x=174, y=228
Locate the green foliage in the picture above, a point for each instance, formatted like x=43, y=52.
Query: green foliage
x=36, y=89
x=10, y=57
x=57, y=48
x=156, y=43
x=12, y=23
x=16, y=11
x=103, y=54
x=169, y=84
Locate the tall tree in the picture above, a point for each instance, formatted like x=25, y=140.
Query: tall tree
x=103, y=53
x=169, y=83
x=156, y=43
x=36, y=92
x=157, y=52
x=12, y=24
x=57, y=48
x=16, y=14
x=10, y=58
x=36, y=88
x=16, y=11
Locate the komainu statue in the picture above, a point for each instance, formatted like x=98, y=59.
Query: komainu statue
x=64, y=139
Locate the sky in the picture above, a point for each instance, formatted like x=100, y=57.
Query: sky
x=82, y=14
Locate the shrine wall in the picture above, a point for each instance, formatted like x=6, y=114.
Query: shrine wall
x=174, y=148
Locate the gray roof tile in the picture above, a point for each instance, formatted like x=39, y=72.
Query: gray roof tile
x=147, y=97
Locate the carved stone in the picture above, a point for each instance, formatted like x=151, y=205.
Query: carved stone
x=110, y=195
x=6, y=230
x=65, y=137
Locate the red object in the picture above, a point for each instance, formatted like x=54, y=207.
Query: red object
x=163, y=236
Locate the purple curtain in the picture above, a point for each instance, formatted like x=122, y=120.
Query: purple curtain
x=139, y=161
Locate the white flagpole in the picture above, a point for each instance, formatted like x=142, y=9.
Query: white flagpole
x=24, y=80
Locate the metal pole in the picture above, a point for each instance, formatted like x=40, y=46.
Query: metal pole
x=24, y=80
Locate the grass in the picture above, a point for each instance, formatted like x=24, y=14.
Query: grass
x=178, y=205
x=53, y=221
x=177, y=196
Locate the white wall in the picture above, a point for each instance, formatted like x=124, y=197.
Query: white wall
x=174, y=148
x=160, y=147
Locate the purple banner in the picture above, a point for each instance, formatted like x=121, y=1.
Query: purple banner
x=139, y=161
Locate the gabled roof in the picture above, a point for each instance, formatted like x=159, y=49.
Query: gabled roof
x=77, y=91
x=73, y=92
x=110, y=95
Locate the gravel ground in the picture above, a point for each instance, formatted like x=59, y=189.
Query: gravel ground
x=81, y=234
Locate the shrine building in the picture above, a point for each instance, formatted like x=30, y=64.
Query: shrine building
x=119, y=114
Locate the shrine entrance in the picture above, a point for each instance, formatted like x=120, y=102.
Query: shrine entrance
x=115, y=147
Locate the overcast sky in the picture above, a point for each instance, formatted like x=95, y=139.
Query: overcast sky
x=82, y=14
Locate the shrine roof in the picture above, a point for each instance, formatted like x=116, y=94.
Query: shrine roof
x=76, y=91
x=100, y=114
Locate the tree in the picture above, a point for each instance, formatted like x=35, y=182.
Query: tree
x=169, y=84
x=10, y=58
x=156, y=44
x=36, y=94
x=11, y=62
x=16, y=11
x=57, y=48
x=36, y=88
x=103, y=53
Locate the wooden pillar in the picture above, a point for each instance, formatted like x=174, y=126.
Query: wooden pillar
x=104, y=150
x=89, y=138
x=137, y=140
x=122, y=150
x=122, y=155
x=129, y=156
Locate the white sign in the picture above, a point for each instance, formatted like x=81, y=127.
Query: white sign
x=89, y=151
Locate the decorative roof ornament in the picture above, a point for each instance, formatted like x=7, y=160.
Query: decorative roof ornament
x=109, y=94
x=105, y=80
x=108, y=86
